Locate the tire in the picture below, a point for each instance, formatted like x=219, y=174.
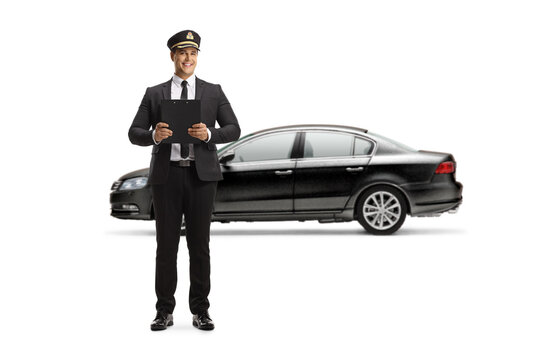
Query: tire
x=370, y=213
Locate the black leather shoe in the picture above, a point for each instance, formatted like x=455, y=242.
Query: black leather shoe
x=161, y=321
x=202, y=321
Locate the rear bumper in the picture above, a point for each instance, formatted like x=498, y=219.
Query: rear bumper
x=434, y=198
x=436, y=209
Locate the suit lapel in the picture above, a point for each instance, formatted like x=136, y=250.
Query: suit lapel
x=167, y=90
x=199, y=88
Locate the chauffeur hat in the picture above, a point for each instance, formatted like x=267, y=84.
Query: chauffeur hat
x=183, y=39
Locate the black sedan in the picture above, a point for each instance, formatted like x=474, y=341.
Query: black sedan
x=328, y=173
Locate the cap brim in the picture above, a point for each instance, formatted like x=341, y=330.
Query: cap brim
x=185, y=46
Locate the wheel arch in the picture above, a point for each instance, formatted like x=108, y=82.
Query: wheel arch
x=378, y=183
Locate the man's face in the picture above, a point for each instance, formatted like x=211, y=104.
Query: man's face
x=185, y=61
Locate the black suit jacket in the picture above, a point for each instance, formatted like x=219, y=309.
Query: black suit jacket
x=214, y=106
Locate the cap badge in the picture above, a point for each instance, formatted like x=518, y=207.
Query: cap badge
x=189, y=36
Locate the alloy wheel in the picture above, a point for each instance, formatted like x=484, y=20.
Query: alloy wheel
x=381, y=210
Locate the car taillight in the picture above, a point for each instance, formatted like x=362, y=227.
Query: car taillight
x=446, y=167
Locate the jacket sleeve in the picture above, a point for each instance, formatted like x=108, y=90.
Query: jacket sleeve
x=139, y=131
x=229, y=129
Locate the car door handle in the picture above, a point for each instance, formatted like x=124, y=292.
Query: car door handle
x=356, y=169
x=286, y=172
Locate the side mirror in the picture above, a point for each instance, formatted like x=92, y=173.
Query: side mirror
x=228, y=156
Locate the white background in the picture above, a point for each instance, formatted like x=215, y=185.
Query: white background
x=453, y=76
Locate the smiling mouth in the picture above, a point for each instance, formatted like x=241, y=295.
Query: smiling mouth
x=187, y=65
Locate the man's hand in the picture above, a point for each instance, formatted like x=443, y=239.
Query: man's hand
x=198, y=131
x=162, y=131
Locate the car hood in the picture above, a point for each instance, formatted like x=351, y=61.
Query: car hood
x=140, y=172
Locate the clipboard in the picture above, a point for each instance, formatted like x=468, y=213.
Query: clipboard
x=180, y=115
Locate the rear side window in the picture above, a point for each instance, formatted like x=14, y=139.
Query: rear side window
x=394, y=142
x=362, y=146
x=326, y=144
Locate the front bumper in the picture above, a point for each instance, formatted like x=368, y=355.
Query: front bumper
x=132, y=204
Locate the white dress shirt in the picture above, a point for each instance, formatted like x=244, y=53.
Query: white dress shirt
x=176, y=92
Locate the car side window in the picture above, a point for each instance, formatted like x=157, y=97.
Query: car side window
x=362, y=146
x=326, y=144
x=271, y=147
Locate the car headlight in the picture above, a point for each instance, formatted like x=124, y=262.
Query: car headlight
x=134, y=183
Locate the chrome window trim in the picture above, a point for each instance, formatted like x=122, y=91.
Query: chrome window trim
x=331, y=161
x=260, y=165
x=304, y=129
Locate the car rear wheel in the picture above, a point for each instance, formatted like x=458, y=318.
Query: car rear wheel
x=381, y=210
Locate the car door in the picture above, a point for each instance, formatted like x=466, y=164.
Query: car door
x=332, y=162
x=260, y=177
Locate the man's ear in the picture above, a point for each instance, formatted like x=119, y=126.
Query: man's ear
x=172, y=55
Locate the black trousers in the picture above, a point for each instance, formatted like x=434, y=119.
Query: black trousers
x=183, y=194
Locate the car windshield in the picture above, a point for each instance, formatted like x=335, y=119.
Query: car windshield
x=394, y=142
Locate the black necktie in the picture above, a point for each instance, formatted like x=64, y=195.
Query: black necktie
x=184, y=148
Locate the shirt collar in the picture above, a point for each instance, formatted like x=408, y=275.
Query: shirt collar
x=178, y=80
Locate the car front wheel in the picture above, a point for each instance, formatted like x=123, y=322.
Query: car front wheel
x=381, y=210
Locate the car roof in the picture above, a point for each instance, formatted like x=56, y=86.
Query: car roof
x=311, y=127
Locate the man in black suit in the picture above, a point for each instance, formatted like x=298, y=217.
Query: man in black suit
x=183, y=177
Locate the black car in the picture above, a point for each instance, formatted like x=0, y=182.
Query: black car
x=328, y=173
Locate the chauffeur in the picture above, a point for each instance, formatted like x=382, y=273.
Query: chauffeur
x=183, y=178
